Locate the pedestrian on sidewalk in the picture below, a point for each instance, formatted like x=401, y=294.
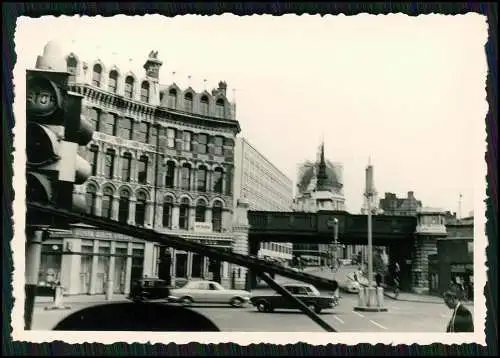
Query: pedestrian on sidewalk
x=461, y=319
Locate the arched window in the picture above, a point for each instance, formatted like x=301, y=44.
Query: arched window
x=168, y=206
x=109, y=166
x=145, y=92
x=201, y=184
x=172, y=98
x=71, y=65
x=217, y=180
x=217, y=216
x=186, y=176
x=170, y=174
x=129, y=87
x=143, y=170
x=91, y=199
x=107, y=203
x=201, y=209
x=124, y=206
x=204, y=105
x=184, y=214
x=113, y=81
x=97, y=75
x=188, y=102
x=126, y=166
x=219, y=108
x=140, y=209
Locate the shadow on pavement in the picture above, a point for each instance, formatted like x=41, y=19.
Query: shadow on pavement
x=278, y=312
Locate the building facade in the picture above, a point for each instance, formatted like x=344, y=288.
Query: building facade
x=319, y=187
x=454, y=260
x=392, y=205
x=264, y=187
x=162, y=157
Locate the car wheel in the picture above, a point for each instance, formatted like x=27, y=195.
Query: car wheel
x=236, y=302
x=263, y=307
x=186, y=301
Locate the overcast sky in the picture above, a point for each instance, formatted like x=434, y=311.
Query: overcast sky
x=409, y=92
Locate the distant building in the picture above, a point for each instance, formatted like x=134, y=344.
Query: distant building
x=264, y=187
x=319, y=187
x=392, y=205
x=454, y=261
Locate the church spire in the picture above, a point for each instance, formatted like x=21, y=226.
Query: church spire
x=322, y=177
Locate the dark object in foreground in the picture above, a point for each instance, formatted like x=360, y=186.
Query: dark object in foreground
x=144, y=316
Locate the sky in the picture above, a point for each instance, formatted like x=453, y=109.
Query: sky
x=406, y=93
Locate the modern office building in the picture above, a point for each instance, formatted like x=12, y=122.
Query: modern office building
x=264, y=187
x=162, y=158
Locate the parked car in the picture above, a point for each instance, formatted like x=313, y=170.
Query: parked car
x=149, y=289
x=208, y=292
x=308, y=294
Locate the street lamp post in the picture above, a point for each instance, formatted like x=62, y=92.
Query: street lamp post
x=372, y=298
x=335, y=239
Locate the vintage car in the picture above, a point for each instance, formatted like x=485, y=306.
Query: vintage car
x=350, y=283
x=149, y=289
x=208, y=292
x=308, y=294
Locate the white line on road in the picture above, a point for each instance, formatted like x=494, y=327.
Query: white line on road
x=377, y=324
x=396, y=308
x=339, y=319
x=359, y=314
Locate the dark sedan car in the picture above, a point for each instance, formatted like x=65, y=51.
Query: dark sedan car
x=149, y=289
x=308, y=294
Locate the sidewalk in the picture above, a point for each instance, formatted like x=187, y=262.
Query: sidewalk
x=403, y=296
x=79, y=299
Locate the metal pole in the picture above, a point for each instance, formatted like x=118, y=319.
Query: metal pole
x=370, y=248
x=33, y=257
x=335, y=239
x=297, y=302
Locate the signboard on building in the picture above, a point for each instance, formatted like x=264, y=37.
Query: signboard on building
x=202, y=227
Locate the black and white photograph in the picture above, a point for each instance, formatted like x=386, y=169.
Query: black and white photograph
x=274, y=179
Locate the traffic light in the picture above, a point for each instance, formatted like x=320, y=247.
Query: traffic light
x=54, y=130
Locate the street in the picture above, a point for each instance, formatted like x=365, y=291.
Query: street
x=402, y=316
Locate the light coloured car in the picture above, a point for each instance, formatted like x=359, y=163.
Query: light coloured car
x=350, y=283
x=208, y=292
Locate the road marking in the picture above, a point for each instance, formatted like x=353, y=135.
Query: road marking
x=396, y=308
x=339, y=319
x=359, y=314
x=377, y=324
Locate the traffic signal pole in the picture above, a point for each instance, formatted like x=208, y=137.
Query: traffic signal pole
x=33, y=257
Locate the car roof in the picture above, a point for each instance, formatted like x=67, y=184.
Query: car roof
x=298, y=285
x=152, y=279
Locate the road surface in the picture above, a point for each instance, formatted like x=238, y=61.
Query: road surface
x=402, y=317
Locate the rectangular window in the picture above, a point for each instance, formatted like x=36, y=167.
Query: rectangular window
x=171, y=137
x=94, y=119
x=126, y=164
x=93, y=156
x=153, y=135
x=126, y=128
x=109, y=165
x=186, y=141
x=109, y=124
x=202, y=143
x=218, y=146
x=142, y=133
x=143, y=170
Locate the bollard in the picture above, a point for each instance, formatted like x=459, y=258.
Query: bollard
x=109, y=290
x=380, y=297
x=361, y=297
x=58, y=300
